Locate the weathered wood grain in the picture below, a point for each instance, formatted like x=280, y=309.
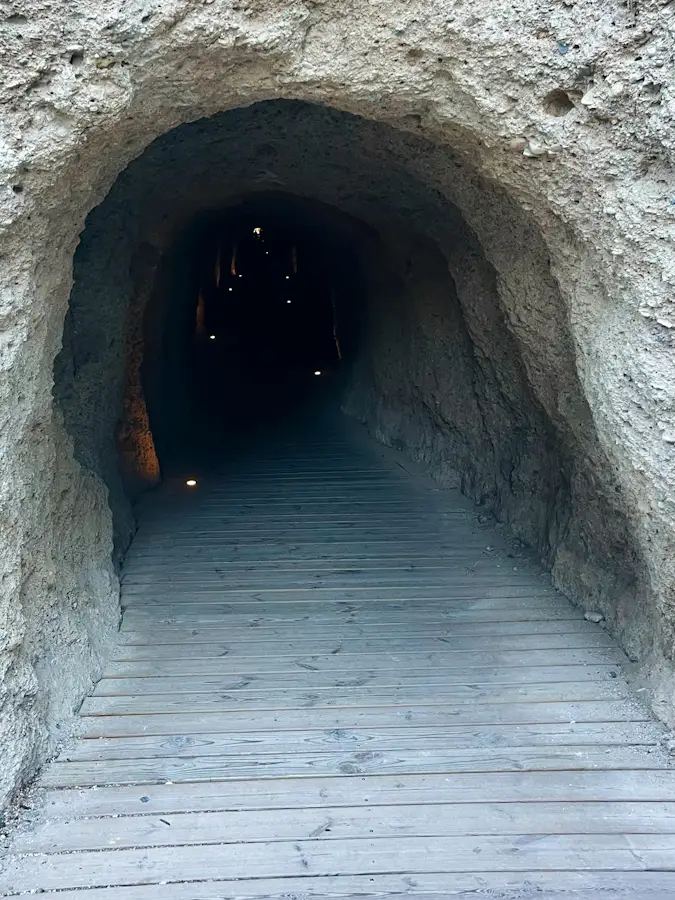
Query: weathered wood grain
x=457, y=695
x=305, y=678
x=458, y=634
x=332, y=823
x=129, y=656
x=384, y=740
x=398, y=718
x=570, y=885
x=354, y=762
x=332, y=680
x=561, y=787
x=353, y=856
x=381, y=661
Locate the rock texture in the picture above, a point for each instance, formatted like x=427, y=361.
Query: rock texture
x=512, y=165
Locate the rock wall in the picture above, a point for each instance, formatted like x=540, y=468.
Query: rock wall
x=136, y=453
x=530, y=151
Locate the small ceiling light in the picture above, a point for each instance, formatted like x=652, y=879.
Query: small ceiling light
x=229, y=289
x=212, y=337
x=317, y=372
x=288, y=301
x=257, y=230
x=191, y=482
x=287, y=277
x=241, y=276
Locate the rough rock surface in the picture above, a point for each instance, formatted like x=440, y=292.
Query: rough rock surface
x=529, y=143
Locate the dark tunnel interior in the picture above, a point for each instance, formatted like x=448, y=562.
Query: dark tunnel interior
x=262, y=306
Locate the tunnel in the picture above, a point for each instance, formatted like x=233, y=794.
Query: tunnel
x=460, y=356
x=291, y=264
x=260, y=307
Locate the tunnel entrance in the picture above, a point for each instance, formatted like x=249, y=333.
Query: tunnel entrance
x=262, y=305
x=428, y=293
x=424, y=291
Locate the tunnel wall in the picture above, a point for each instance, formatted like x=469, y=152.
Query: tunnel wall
x=85, y=93
x=446, y=378
x=442, y=378
x=137, y=461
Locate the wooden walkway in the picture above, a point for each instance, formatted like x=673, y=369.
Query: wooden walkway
x=332, y=680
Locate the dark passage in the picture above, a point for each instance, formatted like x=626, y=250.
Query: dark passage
x=262, y=307
x=453, y=336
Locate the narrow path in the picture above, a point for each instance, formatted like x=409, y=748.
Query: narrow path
x=332, y=680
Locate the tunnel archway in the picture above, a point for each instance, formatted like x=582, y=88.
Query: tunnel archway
x=463, y=355
x=467, y=361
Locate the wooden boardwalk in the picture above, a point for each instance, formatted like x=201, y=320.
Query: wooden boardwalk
x=332, y=680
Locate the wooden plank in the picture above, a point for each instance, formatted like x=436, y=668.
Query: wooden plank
x=267, y=541
x=339, y=613
x=292, y=560
x=180, y=516
x=245, y=504
x=515, y=853
x=394, y=717
x=466, y=588
x=273, y=495
x=262, y=544
x=176, y=527
x=281, y=698
x=258, y=544
x=300, y=532
x=235, y=570
x=450, y=820
x=350, y=648
x=329, y=604
x=371, y=662
x=179, y=522
x=569, y=885
x=560, y=788
x=282, y=480
x=209, y=768
x=128, y=657
x=326, y=682
x=357, y=605
x=439, y=581
x=453, y=634
x=384, y=740
x=194, y=614
x=168, y=635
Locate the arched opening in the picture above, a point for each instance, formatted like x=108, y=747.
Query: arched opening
x=420, y=290
x=464, y=353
